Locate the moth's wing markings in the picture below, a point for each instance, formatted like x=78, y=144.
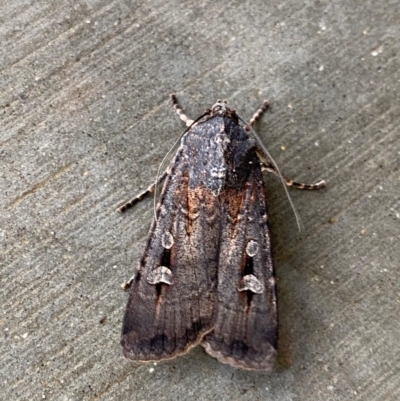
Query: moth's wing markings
x=165, y=320
x=245, y=332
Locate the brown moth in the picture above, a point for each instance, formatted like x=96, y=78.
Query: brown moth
x=206, y=276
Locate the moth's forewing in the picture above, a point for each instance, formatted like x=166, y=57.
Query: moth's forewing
x=224, y=160
x=172, y=298
x=245, y=331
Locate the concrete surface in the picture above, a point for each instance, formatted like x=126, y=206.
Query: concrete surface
x=85, y=121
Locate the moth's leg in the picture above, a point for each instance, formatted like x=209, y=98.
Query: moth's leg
x=180, y=112
x=290, y=183
x=127, y=285
x=257, y=115
x=140, y=196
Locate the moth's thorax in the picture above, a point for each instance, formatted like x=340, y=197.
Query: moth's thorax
x=219, y=151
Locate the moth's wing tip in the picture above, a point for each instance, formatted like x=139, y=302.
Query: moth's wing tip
x=126, y=286
x=130, y=356
x=248, y=363
x=132, y=350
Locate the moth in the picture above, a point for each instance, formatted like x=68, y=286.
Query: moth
x=206, y=275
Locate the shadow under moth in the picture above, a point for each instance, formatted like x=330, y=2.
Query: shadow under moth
x=206, y=276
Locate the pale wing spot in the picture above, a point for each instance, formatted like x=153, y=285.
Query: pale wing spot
x=251, y=283
x=194, y=216
x=184, y=211
x=252, y=248
x=218, y=172
x=232, y=219
x=167, y=240
x=160, y=275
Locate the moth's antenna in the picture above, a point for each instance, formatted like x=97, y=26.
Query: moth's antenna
x=265, y=150
x=160, y=167
x=166, y=156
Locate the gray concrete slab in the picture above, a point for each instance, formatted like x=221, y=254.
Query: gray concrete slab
x=85, y=121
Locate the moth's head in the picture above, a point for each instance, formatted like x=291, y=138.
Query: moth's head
x=222, y=109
